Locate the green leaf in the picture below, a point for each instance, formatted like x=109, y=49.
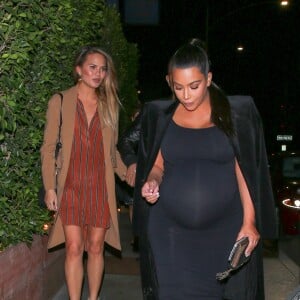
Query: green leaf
x=11, y=103
x=22, y=15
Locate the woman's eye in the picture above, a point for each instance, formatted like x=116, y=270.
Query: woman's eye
x=194, y=87
x=178, y=88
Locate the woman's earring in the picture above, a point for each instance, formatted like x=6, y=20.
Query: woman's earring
x=79, y=75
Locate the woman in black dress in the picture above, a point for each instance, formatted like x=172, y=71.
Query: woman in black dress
x=200, y=196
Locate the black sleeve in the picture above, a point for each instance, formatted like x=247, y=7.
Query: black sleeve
x=265, y=192
x=129, y=140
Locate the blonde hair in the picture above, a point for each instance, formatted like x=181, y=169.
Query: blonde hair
x=109, y=102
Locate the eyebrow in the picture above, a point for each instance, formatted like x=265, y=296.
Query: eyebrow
x=93, y=64
x=196, y=81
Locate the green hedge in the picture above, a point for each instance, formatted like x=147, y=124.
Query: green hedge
x=38, y=43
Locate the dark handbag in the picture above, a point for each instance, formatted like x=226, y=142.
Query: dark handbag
x=41, y=194
x=237, y=258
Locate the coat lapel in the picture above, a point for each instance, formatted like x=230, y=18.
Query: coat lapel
x=163, y=119
x=234, y=139
x=68, y=122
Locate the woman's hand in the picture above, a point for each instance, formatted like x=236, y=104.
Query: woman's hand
x=150, y=191
x=250, y=231
x=51, y=200
x=130, y=175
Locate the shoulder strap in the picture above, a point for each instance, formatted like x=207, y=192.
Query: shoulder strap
x=60, y=115
x=59, y=144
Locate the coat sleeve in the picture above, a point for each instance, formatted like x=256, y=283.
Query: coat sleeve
x=128, y=142
x=266, y=203
x=140, y=206
x=49, y=143
x=265, y=191
x=120, y=168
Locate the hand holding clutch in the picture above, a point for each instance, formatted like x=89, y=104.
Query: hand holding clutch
x=237, y=258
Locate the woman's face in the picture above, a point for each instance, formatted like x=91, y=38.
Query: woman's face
x=93, y=70
x=190, y=86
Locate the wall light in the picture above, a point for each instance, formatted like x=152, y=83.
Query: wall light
x=284, y=3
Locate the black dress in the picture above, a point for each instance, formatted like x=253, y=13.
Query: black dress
x=195, y=222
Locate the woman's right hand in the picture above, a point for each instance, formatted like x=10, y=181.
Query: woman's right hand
x=51, y=200
x=130, y=175
x=150, y=191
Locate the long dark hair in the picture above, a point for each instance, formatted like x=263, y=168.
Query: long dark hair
x=193, y=54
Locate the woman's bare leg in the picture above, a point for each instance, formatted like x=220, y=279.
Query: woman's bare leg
x=73, y=262
x=95, y=263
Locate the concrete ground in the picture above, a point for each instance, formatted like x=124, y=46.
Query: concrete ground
x=122, y=280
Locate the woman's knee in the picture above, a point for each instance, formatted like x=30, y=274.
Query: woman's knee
x=95, y=248
x=95, y=241
x=74, y=249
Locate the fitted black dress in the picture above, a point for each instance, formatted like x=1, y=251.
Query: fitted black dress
x=195, y=222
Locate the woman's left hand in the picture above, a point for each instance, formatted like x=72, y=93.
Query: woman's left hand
x=51, y=200
x=250, y=231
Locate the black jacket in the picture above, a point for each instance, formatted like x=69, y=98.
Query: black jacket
x=128, y=142
x=249, y=147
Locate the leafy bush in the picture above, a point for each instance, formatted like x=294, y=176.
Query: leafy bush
x=38, y=42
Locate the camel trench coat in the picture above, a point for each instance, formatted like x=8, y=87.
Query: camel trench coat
x=113, y=162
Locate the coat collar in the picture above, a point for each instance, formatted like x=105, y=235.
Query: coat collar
x=234, y=139
x=164, y=117
x=72, y=95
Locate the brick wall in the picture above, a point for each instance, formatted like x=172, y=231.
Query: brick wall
x=30, y=272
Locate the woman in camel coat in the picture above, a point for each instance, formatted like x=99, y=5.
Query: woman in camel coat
x=93, y=102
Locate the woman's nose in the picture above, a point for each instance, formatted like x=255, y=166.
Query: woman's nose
x=186, y=94
x=100, y=72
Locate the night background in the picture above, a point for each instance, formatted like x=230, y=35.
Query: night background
x=268, y=68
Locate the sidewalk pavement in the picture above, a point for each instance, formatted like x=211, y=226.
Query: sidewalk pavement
x=122, y=280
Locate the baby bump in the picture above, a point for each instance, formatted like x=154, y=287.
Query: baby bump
x=199, y=194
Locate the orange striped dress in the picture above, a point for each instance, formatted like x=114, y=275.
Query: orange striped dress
x=84, y=200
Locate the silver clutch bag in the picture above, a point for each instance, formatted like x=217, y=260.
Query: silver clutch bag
x=236, y=259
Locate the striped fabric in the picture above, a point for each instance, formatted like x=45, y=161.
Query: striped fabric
x=84, y=200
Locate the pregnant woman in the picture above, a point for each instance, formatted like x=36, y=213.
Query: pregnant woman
x=202, y=183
